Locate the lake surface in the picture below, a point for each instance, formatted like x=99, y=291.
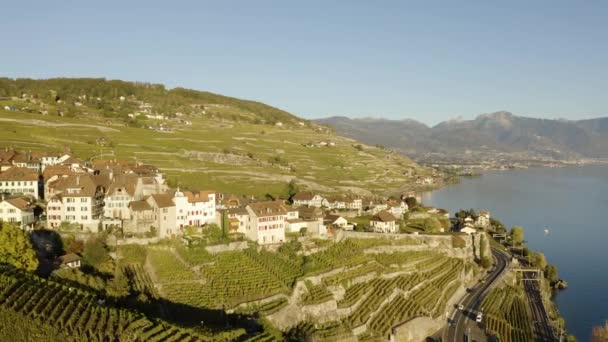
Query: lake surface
x=572, y=203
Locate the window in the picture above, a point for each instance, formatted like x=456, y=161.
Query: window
x=84, y=217
x=84, y=200
x=83, y=208
x=71, y=209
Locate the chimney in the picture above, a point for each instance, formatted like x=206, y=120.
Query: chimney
x=78, y=180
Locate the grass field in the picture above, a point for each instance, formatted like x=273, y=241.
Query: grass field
x=224, y=155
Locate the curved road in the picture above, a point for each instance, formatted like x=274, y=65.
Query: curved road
x=462, y=325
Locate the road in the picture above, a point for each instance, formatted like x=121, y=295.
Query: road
x=463, y=326
x=542, y=326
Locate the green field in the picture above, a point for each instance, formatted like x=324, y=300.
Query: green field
x=418, y=282
x=233, y=147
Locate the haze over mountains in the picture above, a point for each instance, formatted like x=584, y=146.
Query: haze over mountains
x=500, y=132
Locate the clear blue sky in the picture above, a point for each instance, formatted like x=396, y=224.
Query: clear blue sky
x=427, y=60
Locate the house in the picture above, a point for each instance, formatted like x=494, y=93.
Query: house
x=336, y=221
x=70, y=260
x=119, y=194
x=468, y=230
x=375, y=208
x=230, y=201
x=19, y=180
x=307, y=198
x=483, y=220
x=396, y=207
x=334, y=202
x=312, y=219
x=384, y=222
x=164, y=214
x=268, y=221
x=194, y=208
x=296, y=225
x=76, y=199
x=141, y=218
x=311, y=213
x=238, y=220
x=19, y=211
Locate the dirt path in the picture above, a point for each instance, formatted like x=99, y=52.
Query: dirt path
x=35, y=122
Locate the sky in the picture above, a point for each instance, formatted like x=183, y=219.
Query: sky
x=425, y=60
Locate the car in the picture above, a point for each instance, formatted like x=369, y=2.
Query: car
x=479, y=317
x=460, y=307
x=483, y=281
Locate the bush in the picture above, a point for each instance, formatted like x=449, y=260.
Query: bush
x=486, y=262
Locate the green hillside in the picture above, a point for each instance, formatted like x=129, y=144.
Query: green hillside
x=205, y=140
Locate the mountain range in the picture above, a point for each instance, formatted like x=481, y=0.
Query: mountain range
x=499, y=132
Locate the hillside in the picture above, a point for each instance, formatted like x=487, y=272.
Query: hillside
x=500, y=132
x=197, y=138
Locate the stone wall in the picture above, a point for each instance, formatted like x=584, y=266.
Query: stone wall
x=233, y=246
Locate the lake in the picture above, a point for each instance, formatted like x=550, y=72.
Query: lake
x=572, y=203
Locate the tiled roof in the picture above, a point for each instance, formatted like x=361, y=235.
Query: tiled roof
x=384, y=216
x=127, y=182
x=198, y=196
x=19, y=174
x=19, y=203
x=163, y=200
x=56, y=170
x=77, y=185
x=268, y=208
x=237, y=211
x=139, y=206
x=303, y=196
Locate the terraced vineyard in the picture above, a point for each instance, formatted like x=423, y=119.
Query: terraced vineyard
x=382, y=303
x=140, y=280
x=506, y=314
x=232, y=278
x=79, y=314
x=316, y=294
x=381, y=290
x=168, y=268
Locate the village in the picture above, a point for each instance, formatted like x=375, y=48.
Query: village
x=58, y=191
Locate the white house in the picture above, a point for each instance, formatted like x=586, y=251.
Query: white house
x=126, y=188
x=164, y=214
x=194, y=208
x=18, y=211
x=76, y=199
x=19, y=180
x=483, y=220
x=268, y=221
x=307, y=198
x=70, y=260
x=397, y=207
x=384, y=222
x=336, y=221
x=468, y=230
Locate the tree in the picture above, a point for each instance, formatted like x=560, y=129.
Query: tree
x=486, y=262
x=551, y=273
x=517, y=235
x=539, y=260
x=292, y=188
x=16, y=248
x=411, y=202
x=95, y=252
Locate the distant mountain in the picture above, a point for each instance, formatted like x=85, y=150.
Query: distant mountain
x=501, y=132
